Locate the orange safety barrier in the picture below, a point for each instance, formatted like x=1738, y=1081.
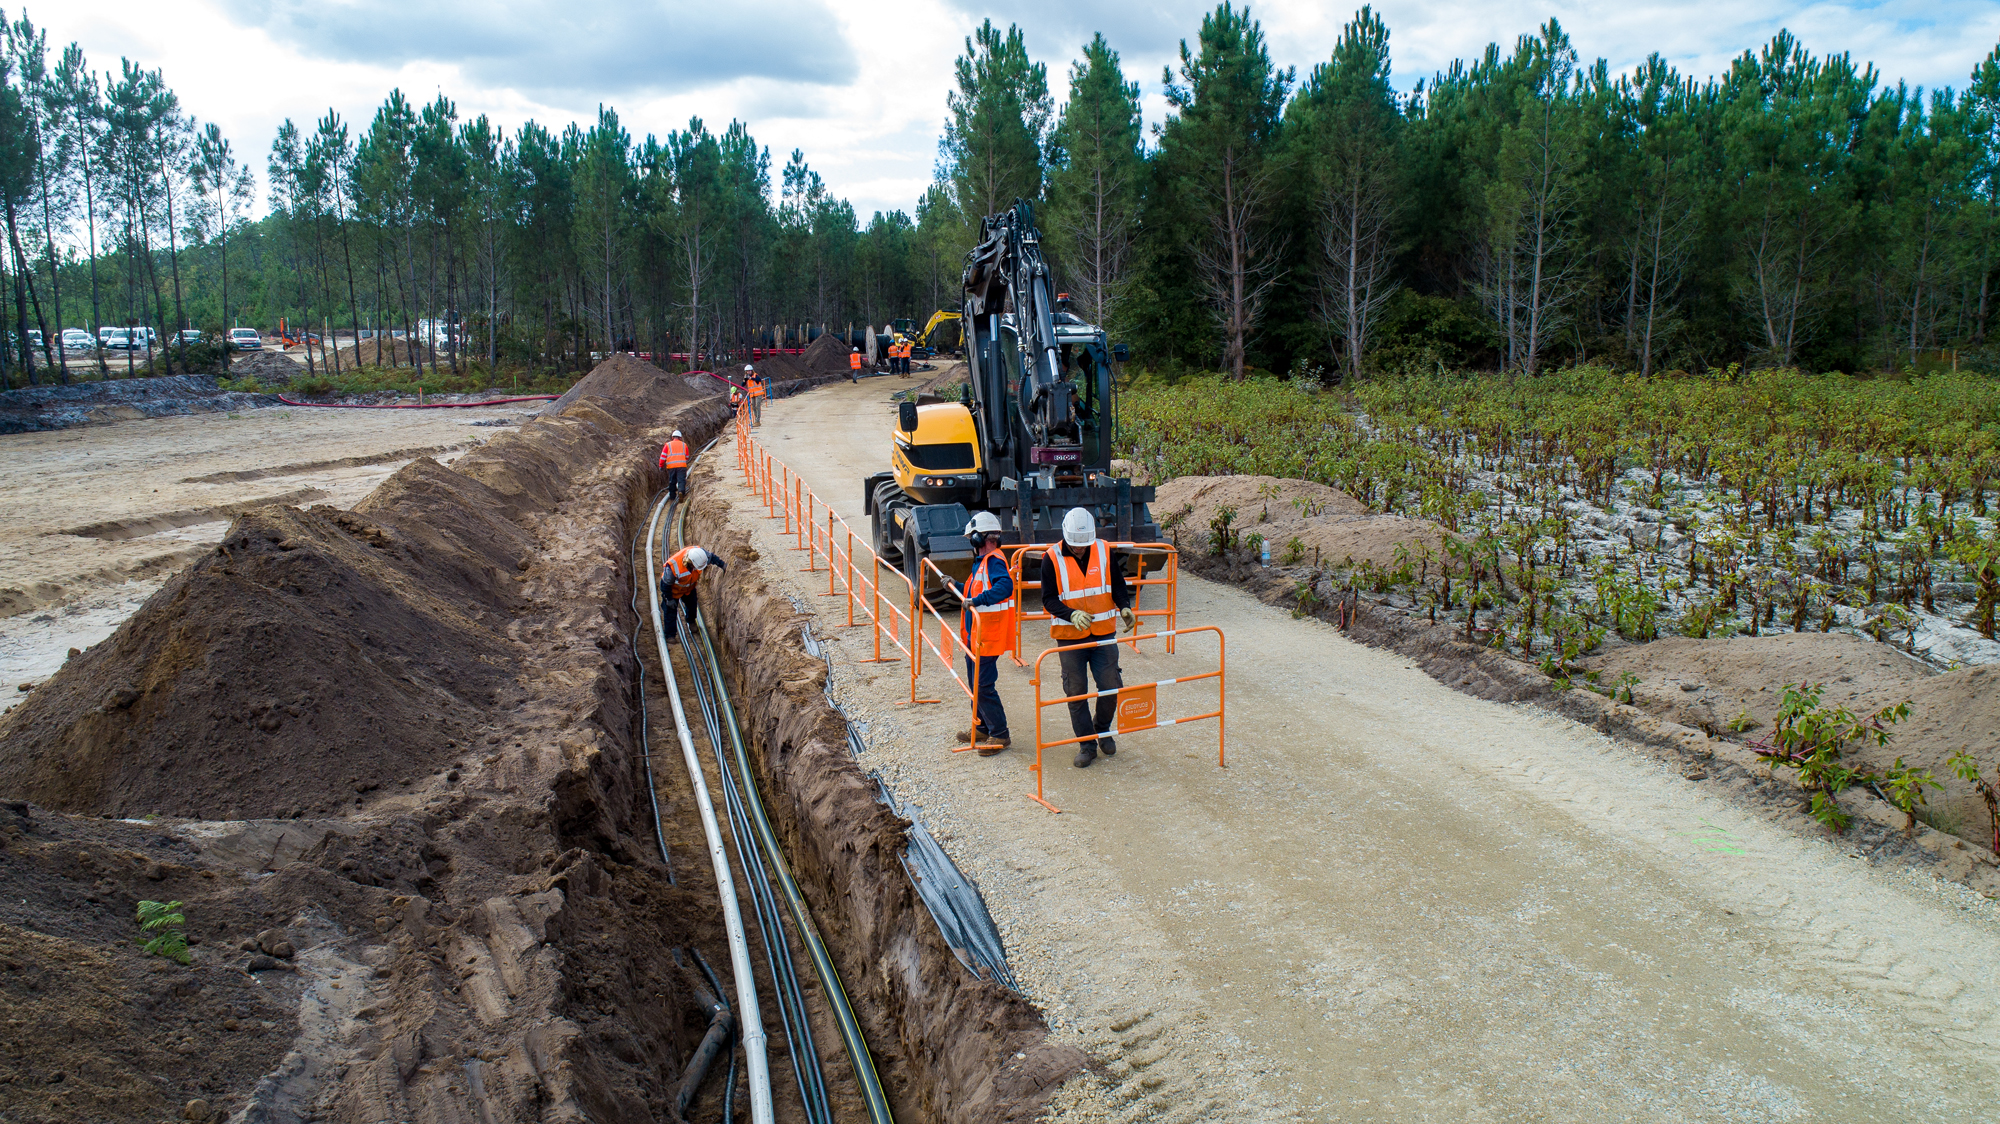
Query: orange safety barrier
x=853, y=571
x=1137, y=702
x=1170, y=578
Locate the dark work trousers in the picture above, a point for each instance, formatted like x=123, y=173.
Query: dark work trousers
x=984, y=671
x=1102, y=661
x=669, y=619
x=677, y=482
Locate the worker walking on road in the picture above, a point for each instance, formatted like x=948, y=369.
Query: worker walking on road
x=854, y=365
x=677, y=581
x=754, y=383
x=674, y=458
x=986, y=624
x=1087, y=597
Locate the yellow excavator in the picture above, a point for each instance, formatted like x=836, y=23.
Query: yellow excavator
x=1030, y=435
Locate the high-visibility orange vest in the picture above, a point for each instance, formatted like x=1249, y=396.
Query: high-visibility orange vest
x=1087, y=588
x=987, y=629
x=675, y=454
x=681, y=573
x=756, y=383
x=735, y=398
x=853, y=360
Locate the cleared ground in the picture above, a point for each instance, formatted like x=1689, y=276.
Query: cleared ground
x=92, y=519
x=1402, y=903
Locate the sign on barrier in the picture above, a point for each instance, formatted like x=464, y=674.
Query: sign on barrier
x=1140, y=700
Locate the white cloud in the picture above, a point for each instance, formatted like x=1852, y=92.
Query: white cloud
x=861, y=86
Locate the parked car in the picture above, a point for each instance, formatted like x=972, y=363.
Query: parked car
x=145, y=339
x=190, y=335
x=76, y=339
x=115, y=339
x=245, y=339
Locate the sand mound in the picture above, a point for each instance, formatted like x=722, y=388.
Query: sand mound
x=314, y=652
x=385, y=353
x=781, y=368
x=271, y=368
x=826, y=355
x=1707, y=683
x=1281, y=510
x=630, y=389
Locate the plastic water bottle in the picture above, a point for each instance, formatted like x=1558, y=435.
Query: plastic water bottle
x=1266, y=553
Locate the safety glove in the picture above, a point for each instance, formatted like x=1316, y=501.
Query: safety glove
x=1080, y=619
x=1129, y=619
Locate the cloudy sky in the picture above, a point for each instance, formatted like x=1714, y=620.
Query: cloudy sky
x=860, y=86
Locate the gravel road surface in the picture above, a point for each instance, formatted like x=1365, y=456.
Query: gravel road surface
x=1403, y=903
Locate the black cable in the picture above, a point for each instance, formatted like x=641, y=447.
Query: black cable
x=792, y=1011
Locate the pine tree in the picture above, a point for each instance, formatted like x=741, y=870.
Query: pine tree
x=1222, y=150
x=993, y=141
x=1345, y=126
x=1094, y=189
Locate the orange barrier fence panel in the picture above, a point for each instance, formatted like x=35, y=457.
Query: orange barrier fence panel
x=1136, y=701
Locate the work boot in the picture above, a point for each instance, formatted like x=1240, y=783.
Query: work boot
x=975, y=734
x=1106, y=746
x=1085, y=754
x=988, y=746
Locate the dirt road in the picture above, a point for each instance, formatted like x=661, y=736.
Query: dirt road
x=1402, y=903
x=92, y=519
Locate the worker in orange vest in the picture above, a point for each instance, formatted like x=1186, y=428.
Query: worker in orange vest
x=678, y=577
x=674, y=458
x=754, y=382
x=736, y=399
x=899, y=357
x=1087, y=597
x=986, y=625
x=854, y=366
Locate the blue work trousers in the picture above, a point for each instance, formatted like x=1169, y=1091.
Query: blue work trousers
x=984, y=672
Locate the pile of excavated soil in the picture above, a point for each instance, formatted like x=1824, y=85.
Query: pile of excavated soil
x=408, y=737
x=385, y=353
x=36, y=409
x=287, y=656
x=1708, y=684
x=1325, y=519
x=780, y=368
x=271, y=368
x=826, y=355
x=630, y=389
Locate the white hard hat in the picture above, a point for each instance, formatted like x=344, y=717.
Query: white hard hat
x=1079, y=527
x=677, y=433
x=748, y=367
x=698, y=558
x=981, y=523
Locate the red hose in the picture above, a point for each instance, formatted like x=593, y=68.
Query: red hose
x=426, y=405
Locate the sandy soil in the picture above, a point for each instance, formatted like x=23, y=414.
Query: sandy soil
x=1327, y=524
x=1708, y=684
x=1401, y=903
x=93, y=519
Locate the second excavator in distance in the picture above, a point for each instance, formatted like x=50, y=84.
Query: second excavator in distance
x=1030, y=435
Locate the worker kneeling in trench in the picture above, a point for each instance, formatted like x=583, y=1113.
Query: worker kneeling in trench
x=678, y=578
x=1086, y=597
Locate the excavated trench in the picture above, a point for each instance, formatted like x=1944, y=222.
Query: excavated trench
x=390, y=761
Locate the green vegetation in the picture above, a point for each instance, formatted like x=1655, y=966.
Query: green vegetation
x=167, y=924
x=1810, y=738
x=1966, y=767
x=1523, y=210
x=1706, y=505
